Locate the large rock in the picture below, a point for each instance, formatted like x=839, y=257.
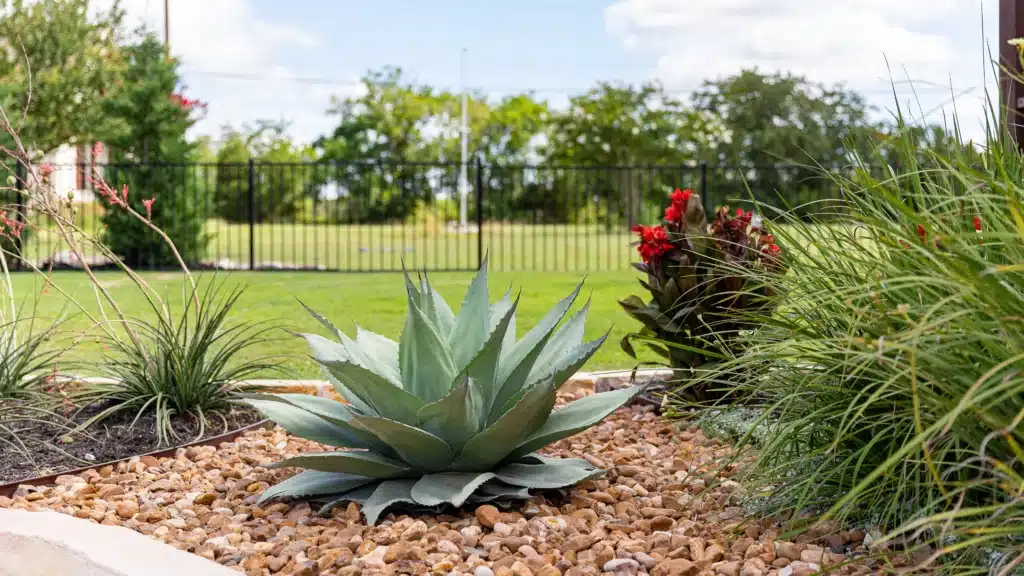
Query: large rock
x=52, y=544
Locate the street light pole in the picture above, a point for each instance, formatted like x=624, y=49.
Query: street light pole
x=167, y=28
x=463, y=178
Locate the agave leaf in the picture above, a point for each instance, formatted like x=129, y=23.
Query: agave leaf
x=458, y=416
x=382, y=351
x=448, y=487
x=353, y=400
x=421, y=449
x=498, y=310
x=425, y=360
x=574, y=418
x=356, y=463
x=375, y=391
x=436, y=309
x=326, y=349
x=498, y=490
x=321, y=319
x=314, y=483
x=327, y=426
x=559, y=368
x=359, y=495
x=514, y=367
x=489, y=446
x=547, y=476
x=388, y=493
x=538, y=334
x=484, y=366
x=470, y=330
x=568, y=336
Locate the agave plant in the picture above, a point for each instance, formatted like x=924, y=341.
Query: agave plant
x=452, y=414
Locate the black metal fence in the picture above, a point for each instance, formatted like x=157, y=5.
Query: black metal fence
x=372, y=216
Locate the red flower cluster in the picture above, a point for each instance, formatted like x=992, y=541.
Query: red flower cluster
x=768, y=245
x=10, y=226
x=187, y=103
x=148, y=203
x=675, y=211
x=654, y=242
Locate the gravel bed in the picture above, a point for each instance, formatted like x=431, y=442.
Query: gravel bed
x=651, y=514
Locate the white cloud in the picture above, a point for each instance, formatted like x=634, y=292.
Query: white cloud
x=936, y=43
x=228, y=36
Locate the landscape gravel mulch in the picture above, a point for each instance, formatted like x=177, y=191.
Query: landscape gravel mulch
x=654, y=512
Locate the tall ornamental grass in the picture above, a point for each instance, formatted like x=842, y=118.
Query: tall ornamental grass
x=890, y=373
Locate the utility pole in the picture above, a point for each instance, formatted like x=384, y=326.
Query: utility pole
x=1011, y=25
x=463, y=178
x=167, y=28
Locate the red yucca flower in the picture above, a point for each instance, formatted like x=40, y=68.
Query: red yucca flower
x=148, y=203
x=922, y=233
x=977, y=224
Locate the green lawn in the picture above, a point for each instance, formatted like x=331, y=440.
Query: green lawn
x=375, y=301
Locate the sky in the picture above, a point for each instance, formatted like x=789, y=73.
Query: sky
x=284, y=59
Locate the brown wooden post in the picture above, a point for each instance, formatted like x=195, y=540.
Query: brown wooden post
x=1011, y=25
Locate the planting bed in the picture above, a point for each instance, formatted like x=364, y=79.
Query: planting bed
x=653, y=513
x=55, y=450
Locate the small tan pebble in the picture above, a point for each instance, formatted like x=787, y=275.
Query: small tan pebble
x=789, y=551
x=487, y=515
x=677, y=567
x=731, y=568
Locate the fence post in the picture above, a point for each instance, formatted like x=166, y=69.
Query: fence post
x=252, y=215
x=479, y=213
x=19, y=185
x=704, y=184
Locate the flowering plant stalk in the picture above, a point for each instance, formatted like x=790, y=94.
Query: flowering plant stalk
x=699, y=284
x=180, y=365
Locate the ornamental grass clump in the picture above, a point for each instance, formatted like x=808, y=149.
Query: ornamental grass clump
x=703, y=281
x=452, y=414
x=891, y=372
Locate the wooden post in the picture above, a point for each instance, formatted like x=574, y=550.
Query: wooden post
x=1011, y=25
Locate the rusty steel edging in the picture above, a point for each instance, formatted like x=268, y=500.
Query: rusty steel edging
x=9, y=489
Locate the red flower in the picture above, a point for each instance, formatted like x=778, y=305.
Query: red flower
x=673, y=213
x=977, y=224
x=922, y=233
x=148, y=203
x=767, y=239
x=45, y=170
x=653, y=242
x=681, y=196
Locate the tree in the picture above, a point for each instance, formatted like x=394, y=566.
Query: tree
x=780, y=119
x=378, y=134
x=281, y=177
x=72, y=62
x=616, y=129
x=149, y=151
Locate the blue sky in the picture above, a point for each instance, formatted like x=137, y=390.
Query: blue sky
x=243, y=56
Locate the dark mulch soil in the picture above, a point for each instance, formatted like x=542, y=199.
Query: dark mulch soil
x=52, y=450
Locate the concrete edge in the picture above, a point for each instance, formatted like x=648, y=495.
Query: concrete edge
x=118, y=551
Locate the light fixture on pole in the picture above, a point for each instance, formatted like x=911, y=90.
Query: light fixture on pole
x=464, y=129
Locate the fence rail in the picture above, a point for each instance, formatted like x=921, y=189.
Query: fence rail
x=373, y=216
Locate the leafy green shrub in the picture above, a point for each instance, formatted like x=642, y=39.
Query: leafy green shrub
x=702, y=280
x=892, y=370
x=451, y=414
x=180, y=367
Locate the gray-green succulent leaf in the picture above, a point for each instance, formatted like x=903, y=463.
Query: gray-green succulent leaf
x=450, y=415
